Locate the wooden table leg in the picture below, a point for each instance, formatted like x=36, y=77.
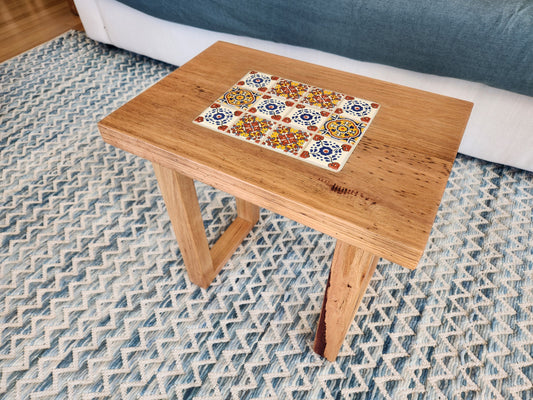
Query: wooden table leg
x=349, y=276
x=202, y=263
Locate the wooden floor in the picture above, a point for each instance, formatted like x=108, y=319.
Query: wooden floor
x=25, y=24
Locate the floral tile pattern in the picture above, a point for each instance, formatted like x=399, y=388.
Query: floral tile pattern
x=322, y=98
x=291, y=90
x=306, y=118
x=239, y=97
x=318, y=126
x=326, y=151
x=273, y=108
x=257, y=81
x=251, y=127
x=217, y=117
x=287, y=139
x=343, y=128
x=358, y=108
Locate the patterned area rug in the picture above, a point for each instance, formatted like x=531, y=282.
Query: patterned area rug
x=95, y=301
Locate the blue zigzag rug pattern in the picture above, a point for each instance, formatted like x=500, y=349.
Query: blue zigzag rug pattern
x=95, y=302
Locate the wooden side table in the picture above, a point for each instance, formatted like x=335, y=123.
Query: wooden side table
x=382, y=204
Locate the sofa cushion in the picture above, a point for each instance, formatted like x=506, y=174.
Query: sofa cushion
x=488, y=41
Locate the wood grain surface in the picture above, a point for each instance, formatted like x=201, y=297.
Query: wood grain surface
x=349, y=276
x=203, y=263
x=384, y=200
x=183, y=210
x=25, y=24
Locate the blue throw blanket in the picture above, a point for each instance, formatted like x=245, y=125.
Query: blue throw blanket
x=488, y=41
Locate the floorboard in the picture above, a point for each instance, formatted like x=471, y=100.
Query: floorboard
x=25, y=24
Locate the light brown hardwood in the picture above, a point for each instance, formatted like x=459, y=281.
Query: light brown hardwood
x=382, y=203
x=183, y=209
x=72, y=6
x=223, y=249
x=349, y=276
x=25, y=24
x=247, y=211
x=202, y=263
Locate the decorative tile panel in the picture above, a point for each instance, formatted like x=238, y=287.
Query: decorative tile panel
x=315, y=125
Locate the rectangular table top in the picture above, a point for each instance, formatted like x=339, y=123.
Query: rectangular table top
x=385, y=198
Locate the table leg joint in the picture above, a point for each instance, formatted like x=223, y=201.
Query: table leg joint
x=202, y=263
x=226, y=245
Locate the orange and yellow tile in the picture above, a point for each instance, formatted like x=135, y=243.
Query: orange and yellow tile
x=289, y=89
x=251, y=127
x=287, y=139
x=322, y=98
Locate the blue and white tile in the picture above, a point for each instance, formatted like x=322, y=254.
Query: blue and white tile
x=327, y=153
x=272, y=107
x=218, y=117
x=358, y=108
x=257, y=81
x=306, y=118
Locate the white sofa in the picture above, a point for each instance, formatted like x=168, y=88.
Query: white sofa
x=500, y=128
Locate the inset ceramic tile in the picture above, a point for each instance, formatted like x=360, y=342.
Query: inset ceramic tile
x=326, y=152
x=322, y=98
x=257, y=81
x=290, y=90
x=362, y=109
x=271, y=107
x=287, y=139
x=312, y=124
x=343, y=128
x=239, y=97
x=217, y=117
x=251, y=127
x=306, y=118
